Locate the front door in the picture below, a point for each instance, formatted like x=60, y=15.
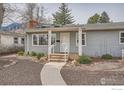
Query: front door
x=64, y=42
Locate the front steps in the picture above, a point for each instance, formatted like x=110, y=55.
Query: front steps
x=58, y=57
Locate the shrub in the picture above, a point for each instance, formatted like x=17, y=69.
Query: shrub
x=27, y=53
x=106, y=56
x=20, y=53
x=33, y=53
x=84, y=59
x=39, y=55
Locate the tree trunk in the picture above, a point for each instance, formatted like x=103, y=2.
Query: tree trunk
x=1, y=14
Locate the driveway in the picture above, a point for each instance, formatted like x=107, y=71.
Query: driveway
x=24, y=72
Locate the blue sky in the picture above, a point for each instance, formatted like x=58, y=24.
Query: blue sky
x=82, y=11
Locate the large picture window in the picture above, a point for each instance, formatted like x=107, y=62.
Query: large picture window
x=42, y=39
x=83, y=39
x=121, y=37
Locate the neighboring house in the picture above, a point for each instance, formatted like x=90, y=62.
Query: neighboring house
x=11, y=27
x=90, y=39
x=11, y=39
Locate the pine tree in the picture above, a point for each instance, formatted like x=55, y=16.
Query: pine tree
x=104, y=18
x=63, y=15
x=93, y=19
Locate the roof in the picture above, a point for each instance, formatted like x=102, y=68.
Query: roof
x=10, y=33
x=104, y=26
x=85, y=27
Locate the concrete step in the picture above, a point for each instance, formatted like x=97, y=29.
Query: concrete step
x=58, y=54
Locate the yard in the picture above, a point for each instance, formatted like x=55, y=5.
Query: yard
x=24, y=72
x=99, y=72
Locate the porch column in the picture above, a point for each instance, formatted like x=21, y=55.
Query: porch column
x=49, y=42
x=27, y=43
x=80, y=41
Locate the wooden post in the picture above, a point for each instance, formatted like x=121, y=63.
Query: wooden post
x=80, y=41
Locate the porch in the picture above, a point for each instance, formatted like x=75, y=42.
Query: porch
x=67, y=40
x=65, y=44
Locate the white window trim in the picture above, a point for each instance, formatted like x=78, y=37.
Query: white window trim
x=37, y=35
x=120, y=37
x=84, y=38
x=37, y=39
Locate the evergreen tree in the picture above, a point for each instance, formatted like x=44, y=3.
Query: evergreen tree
x=104, y=18
x=93, y=19
x=63, y=15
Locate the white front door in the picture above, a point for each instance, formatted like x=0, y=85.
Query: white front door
x=64, y=42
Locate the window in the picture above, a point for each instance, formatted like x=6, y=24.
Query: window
x=35, y=40
x=15, y=40
x=42, y=39
x=83, y=39
x=22, y=40
x=121, y=37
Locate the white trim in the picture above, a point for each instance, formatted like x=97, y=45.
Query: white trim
x=84, y=38
x=27, y=38
x=120, y=37
x=68, y=39
x=49, y=41
x=80, y=41
x=38, y=39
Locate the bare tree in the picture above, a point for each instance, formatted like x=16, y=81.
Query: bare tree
x=1, y=13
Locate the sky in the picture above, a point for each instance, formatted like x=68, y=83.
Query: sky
x=82, y=11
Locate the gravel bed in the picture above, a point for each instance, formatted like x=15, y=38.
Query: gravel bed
x=24, y=72
x=76, y=76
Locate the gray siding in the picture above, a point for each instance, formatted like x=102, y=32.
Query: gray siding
x=38, y=49
x=102, y=42
x=97, y=43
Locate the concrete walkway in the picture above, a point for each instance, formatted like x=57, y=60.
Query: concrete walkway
x=50, y=74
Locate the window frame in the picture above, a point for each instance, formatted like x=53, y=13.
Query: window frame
x=21, y=40
x=82, y=39
x=120, y=37
x=37, y=35
x=17, y=40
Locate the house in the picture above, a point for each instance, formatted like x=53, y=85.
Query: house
x=11, y=27
x=89, y=39
x=11, y=39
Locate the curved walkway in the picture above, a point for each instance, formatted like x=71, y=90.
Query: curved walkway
x=50, y=74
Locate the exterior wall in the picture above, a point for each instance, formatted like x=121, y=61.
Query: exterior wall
x=7, y=40
x=36, y=48
x=97, y=43
x=102, y=42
